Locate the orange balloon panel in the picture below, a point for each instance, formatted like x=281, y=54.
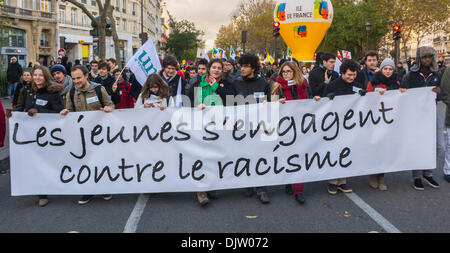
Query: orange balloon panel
x=305, y=38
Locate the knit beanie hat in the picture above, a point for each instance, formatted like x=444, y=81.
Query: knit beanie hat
x=387, y=62
x=58, y=67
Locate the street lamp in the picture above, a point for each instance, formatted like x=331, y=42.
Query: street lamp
x=368, y=26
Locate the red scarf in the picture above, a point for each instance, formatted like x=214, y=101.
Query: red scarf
x=299, y=89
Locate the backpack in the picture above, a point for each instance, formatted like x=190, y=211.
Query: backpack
x=98, y=90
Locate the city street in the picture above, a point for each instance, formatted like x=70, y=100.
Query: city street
x=400, y=209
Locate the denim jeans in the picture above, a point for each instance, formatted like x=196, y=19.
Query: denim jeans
x=440, y=146
x=447, y=153
x=11, y=89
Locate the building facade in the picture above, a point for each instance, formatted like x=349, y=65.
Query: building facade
x=74, y=26
x=30, y=35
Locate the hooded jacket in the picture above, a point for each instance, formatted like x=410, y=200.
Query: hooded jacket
x=416, y=79
x=87, y=100
x=45, y=100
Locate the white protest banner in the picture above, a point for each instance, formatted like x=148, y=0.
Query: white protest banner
x=145, y=62
x=189, y=150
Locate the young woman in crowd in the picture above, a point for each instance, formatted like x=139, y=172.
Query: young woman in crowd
x=43, y=97
x=211, y=92
x=155, y=93
x=291, y=85
x=25, y=84
x=383, y=80
x=126, y=99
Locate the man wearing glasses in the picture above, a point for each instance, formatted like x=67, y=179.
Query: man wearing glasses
x=424, y=74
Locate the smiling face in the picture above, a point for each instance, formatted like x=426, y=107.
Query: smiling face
x=38, y=78
x=103, y=72
x=27, y=77
x=80, y=80
x=59, y=76
x=170, y=71
x=216, y=70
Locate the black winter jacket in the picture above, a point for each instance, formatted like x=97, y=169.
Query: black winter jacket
x=45, y=100
x=108, y=84
x=14, y=72
x=339, y=87
x=173, y=85
x=254, y=90
x=317, y=80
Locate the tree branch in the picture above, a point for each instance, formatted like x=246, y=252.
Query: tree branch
x=83, y=8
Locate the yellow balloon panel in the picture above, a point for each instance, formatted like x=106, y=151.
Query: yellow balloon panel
x=303, y=25
x=305, y=44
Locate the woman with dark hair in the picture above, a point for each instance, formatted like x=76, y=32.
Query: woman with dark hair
x=43, y=97
x=211, y=92
x=291, y=85
x=155, y=93
x=25, y=84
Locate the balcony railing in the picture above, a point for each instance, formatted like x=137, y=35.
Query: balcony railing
x=16, y=12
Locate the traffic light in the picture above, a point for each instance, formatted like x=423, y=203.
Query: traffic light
x=94, y=32
x=397, y=32
x=276, y=29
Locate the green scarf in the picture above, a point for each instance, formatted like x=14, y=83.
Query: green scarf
x=207, y=94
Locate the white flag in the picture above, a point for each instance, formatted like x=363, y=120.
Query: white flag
x=179, y=100
x=145, y=62
x=206, y=57
x=337, y=66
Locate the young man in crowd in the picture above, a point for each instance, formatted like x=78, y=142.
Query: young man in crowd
x=425, y=74
x=94, y=71
x=107, y=80
x=366, y=75
x=112, y=64
x=251, y=88
x=344, y=85
x=13, y=75
x=86, y=96
x=60, y=75
x=323, y=75
x=231, y=73
x=171, y=77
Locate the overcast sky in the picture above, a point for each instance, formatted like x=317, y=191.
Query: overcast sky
x=208, y=15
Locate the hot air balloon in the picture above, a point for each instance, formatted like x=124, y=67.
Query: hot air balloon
x=303, y=25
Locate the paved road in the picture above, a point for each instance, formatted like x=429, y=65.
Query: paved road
x=401, y=209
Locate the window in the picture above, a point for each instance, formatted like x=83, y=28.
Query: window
x=84, y=20
x=134, y=9
x=62, y=16
x=83, y=1
x=46, y=5
x=14, y=38
x=22, y=3
x=44, y=38
x=93, y=3
x=124, y=25
x=74, y=16
x=124, y=6
x=134, y=27
x=117, y=23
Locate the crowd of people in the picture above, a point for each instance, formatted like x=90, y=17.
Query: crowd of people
x=103, y=86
